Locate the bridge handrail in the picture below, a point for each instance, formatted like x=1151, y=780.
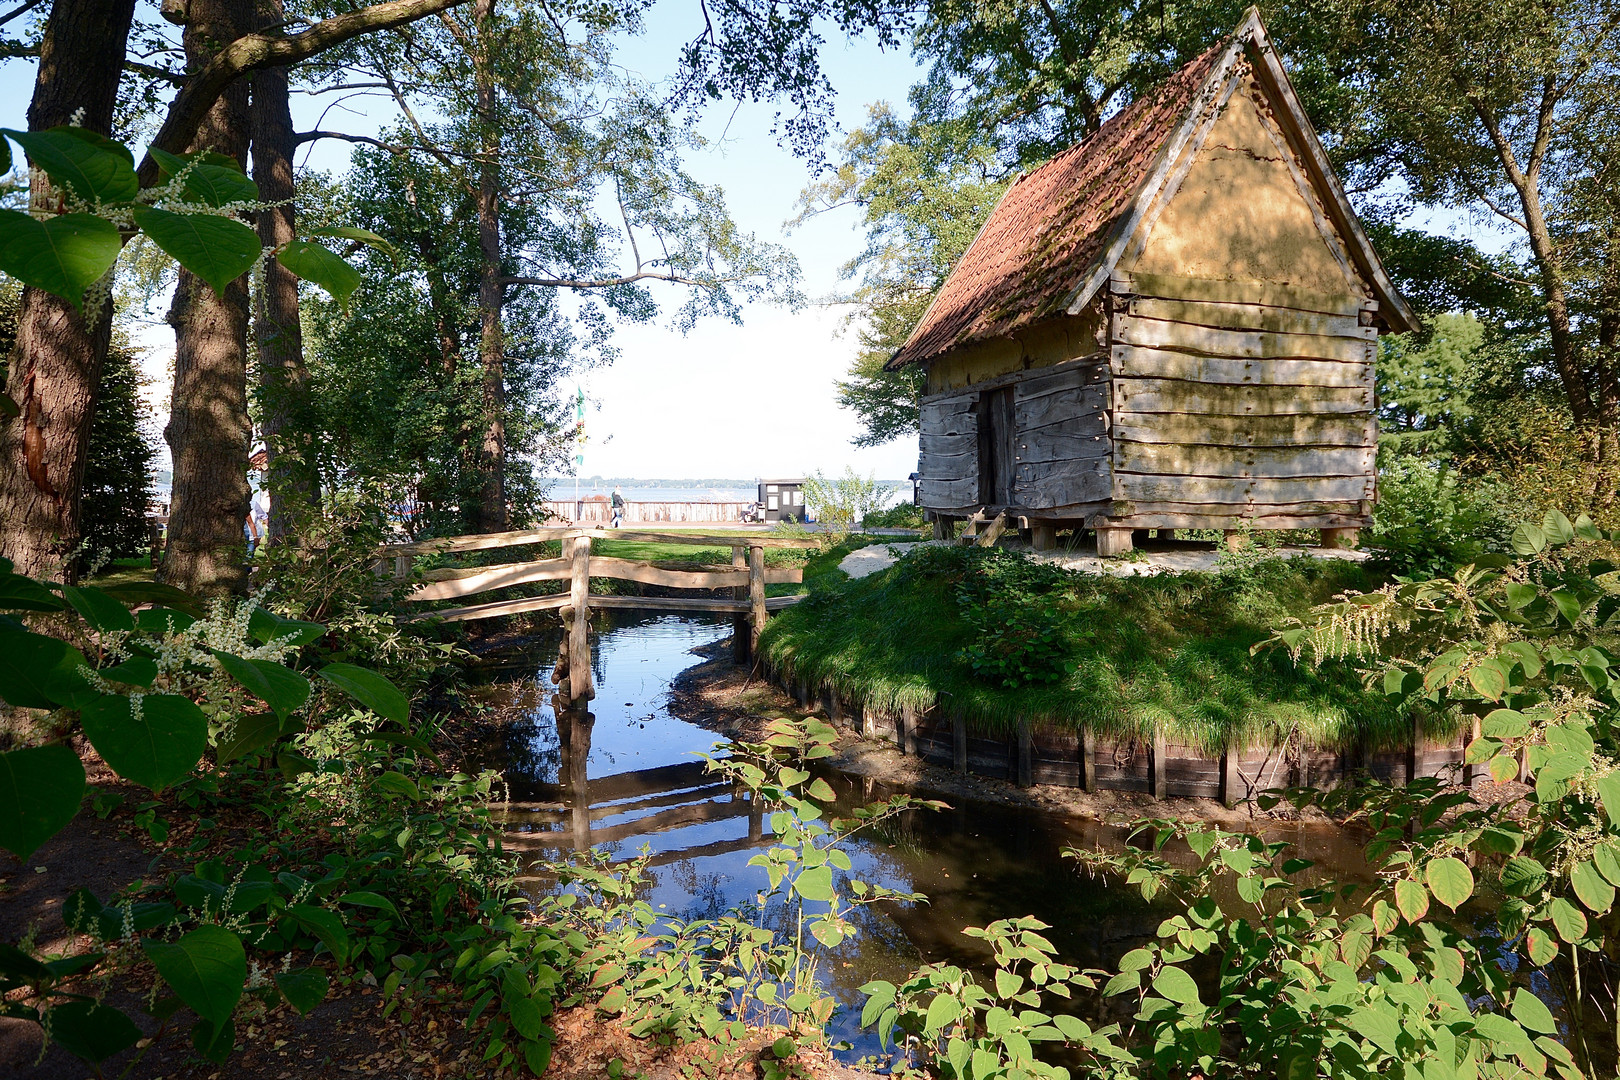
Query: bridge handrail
x=522, y=537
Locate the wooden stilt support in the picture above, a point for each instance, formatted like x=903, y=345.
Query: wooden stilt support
x=959, y=748
x=1043, y=536
x=944, y=528
x=908, y=730
x=1235, y=539
x=1025, y=755
x=580, y=689
x=1111, y=541
x=402, y=567
x=1088, y=760
x=1156, y=765
x=1473, y=775
x=756, y=597
x=1231, y=782
x=835, y=708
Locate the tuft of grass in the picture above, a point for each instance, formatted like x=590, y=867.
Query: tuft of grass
x=1170, y=650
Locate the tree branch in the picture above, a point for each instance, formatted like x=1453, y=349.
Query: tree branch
x=607, y=283
x=251, y=52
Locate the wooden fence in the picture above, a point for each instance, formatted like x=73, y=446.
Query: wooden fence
x=746, y=578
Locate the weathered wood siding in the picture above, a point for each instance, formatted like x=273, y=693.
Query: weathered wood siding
x=948, y=465
x=1228, y=409
x=1061, y=435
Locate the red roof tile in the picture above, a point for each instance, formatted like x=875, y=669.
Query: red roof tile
x=1052, y=225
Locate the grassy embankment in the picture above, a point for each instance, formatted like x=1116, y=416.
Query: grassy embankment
x=1123, y=654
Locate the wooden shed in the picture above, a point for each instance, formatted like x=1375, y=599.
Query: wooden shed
x=1171, y=325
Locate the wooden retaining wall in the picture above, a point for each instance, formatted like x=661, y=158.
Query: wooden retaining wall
x=1153, y=766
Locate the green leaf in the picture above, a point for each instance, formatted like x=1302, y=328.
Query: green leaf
x=246, y=733
x=1412, y=899
x=92, y=166
x=207, y=967
x=304, y=989
x=1177, y=986
x=1450, y=881
x=153, y=592
x=214, y=180
x=18, y=593
x=1528, y=539
x=1604, y=857
x=137, y=672
x=159, y=748
x=1594, y=892
x=217, y=249
x=1557, y=528
x=1377, y=1027
x=325, y=925
x=397, y=783
x=363, y=898
x=1522, y=875
x=363, y=236
x=369, y=689
x=266, y=626
x=278, y=686
x=63, y=255
x=90, y=1030
x=815, y=883
x=943, y=1010
x=1488, y=680
x=1541, y=946
x=1567, y=919
x=319, y=264
x=40, y=791
x=1530, y=1011
x=101, y=611
x=215, y=1042
x=820, y=790
x=1608, y=789
x=1569, y=605
x=35, y=668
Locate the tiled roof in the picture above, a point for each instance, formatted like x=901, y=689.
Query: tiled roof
x=1052, y=225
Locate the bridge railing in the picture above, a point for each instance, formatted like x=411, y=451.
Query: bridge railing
x=746, y=578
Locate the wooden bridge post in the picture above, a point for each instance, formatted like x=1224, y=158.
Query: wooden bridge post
x=1024, y=761
x=756, y=596
x=1088, y=760
x=579, y=642
x=1156, y=763
x=742, y=639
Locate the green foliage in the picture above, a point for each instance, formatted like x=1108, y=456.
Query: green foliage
x=902, y=515
x=1015, y=610
x=1432, y=518
x=844, y=502
x=1169, y=650
x=1422, y=385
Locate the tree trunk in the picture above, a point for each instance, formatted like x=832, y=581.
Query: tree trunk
x=57, y=360
x=491, y=514
x=208, y=430
x=283, y=377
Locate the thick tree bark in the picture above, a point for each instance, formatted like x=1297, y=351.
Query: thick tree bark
x=56, y=364
x=209, y=430
x=283, y=377
x=491, y=511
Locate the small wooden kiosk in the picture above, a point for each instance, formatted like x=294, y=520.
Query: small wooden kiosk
x=782, y=500
x=1169, y=326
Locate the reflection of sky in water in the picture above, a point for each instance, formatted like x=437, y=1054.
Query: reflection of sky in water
x=975, y=862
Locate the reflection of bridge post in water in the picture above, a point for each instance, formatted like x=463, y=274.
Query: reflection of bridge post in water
x=574, y=736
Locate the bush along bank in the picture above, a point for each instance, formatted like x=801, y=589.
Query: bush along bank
x=1020, y=649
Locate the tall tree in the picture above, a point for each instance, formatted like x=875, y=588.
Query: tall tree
x=57, y=359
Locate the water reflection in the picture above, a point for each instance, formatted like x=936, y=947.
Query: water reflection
x=624, y=776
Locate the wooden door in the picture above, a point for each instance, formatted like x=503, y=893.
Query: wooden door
x=997, y=450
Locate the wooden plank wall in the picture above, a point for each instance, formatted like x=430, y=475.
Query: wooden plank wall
x=948, y=464
x=1228, y=406
x=1061, y=437
x=1056, y=757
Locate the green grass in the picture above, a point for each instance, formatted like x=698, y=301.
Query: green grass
x=1171, y=650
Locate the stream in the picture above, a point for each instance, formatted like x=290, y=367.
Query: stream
x=629, y=779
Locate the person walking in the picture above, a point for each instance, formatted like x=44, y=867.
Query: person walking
x=618, y=507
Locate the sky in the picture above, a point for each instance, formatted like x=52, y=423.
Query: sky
x=723, y=400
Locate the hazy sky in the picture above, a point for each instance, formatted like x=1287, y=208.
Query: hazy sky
x=722, y=400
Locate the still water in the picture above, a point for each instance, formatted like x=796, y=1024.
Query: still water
x=628, y=778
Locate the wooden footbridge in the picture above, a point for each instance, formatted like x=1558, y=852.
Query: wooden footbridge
x=746, y=578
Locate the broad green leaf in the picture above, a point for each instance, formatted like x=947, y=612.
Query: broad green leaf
x=1505, y=724
x=820, y=790
x=1384, y=917
x=90, y=1030
x=1488, y=680
x=1586, y=529
x=304, y=989
x=1557, y=527
x=369, y=689
x=319, y=264
x=1176, y=985
x=92, y=166
x=137, y=672
x=1568, y=604
x=154, y=592
x=158, y=748
x=278, y=686
x=1594, y=892
x=1527, y=539
x=214, y=1042
x=18, y=593
x=207, y=968
x=101, y=611
x=1522, y=875
x=1450, y=881
x=397, y=783
x=815, y=883
x=1530, y=1011
x=1504, y=767
x=213, y=179
x=1412, y=899
x=1567, y=919
x=1499, y=1030
x=1608, y=789
x=1607, y=860
x=363, y=898
x=40, y=791
x=1541, y=946
x=63, y=255
x=266, y=626
x=943, y=1010
x=217, y=249
x=34, y=669
x=325, y=925
x=1376, y=1026
x=246, y=733
x=363, y=236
